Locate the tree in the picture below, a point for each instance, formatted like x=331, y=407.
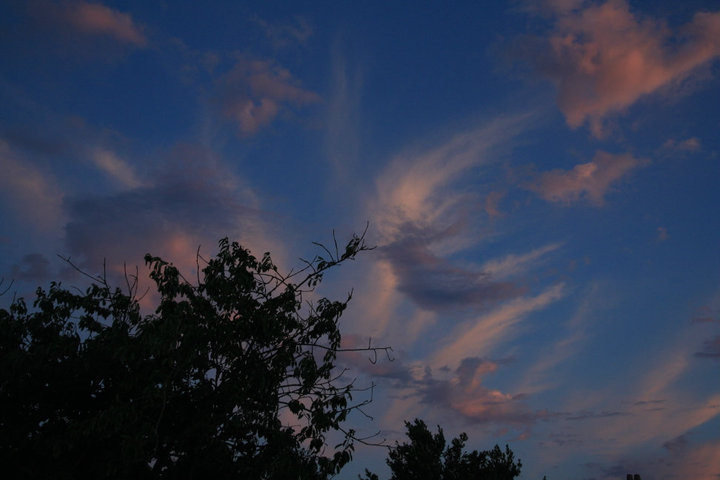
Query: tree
x=428, y=457
x=231, y=377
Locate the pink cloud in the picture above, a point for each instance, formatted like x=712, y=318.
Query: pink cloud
x=589, y=180
x=255, y=91
x=604, y=58
x=97, y=19
x=688, y=145
x=33, y=193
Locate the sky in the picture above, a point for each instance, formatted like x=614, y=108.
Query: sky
x=540, y=180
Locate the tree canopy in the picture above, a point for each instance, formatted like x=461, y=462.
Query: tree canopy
x=232, y=375
x=428, y=457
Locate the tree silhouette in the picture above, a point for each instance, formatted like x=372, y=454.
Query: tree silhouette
x=232, y=376
x=428, y=457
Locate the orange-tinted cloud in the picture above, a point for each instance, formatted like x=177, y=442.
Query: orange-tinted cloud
x=603, y=57
x=254, y=92
x=589, y=181
x=97, y=19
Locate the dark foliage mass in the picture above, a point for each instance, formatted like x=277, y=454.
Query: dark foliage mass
x=232, y=376
x=428, y=457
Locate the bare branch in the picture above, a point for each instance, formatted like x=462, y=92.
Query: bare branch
x=2, y=280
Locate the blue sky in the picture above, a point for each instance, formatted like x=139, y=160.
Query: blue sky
x=540, y=179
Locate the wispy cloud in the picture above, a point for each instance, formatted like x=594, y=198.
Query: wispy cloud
x=459, y=391
x=97, y=19
x=414, y=186
x=603, y=57
x=422, y=218
x=342, y=137
x=478, y=336
x=115, y=167
x=589, y=181
x=465, y=394
x=256, y=91
x=436, y=283
x=283, y=34
x=33, y=266
x=513, y=264
x=34, y=193
x=194, y=201
x=90, y=19
x=710, y=349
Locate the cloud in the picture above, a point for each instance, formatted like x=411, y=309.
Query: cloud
x=194, y=201
x=435, y=283
x=594, y=415
x=673, y=148
x=286, y=34
x=711, y=349
x=589, y=181
x=689, y=459
x=33, y=266
x=604, y=58
x=90, y=19
x=422, y=219
x=691, y=144
x=705, y=314
x=97, y=19
x=465, y=394
x=115, y=168
x=34, y=194
x=479, y=335
x=414, y=186
x=254, y=92
x=682, y=457
x=492, y=203
x=460, y=390
x=342, y=124
x=512, y=264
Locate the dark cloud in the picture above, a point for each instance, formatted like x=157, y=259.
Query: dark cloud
x=677, y=445
x=437, y=283
x=462, y=393
x=710, y=349
x=193, y=199
x=291, y=33
x=649, y=402
x=465, y=395
x=565, y=439
x=705, y=314
x=33, y=266
x=592, y=415
x=651, y=405
x=33, y=142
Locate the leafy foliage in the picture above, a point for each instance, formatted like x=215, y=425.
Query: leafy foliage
x=233, y=376
x=427, y=456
